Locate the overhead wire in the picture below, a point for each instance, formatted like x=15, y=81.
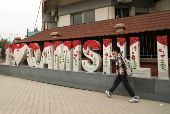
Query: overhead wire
x=38, y=14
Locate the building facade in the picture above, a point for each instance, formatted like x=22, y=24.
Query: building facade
x=59, y=13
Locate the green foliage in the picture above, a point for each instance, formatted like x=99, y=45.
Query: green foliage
x=162, y=65
x=2, y=46
x=134, y=65
x=3, y=42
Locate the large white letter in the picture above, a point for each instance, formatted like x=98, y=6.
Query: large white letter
x=19, y=52
x=135, y=58
x=67, y=60
x=58, y=49
x=162, y=52
x=47, y=56
x=8, y=59
x=33, y=54
x=76, y=55
x=107, y=56
x=95, y=57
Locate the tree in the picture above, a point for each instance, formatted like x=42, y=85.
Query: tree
x=162, y=64
x=2, y=46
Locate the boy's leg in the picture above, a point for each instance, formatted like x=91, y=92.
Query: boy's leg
x=115, y=84
x=126, y=85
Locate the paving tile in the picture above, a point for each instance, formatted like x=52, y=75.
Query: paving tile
x=32, y=97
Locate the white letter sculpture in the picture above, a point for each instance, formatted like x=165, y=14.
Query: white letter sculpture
x=58, y=49
x=77, y=55
x=8, y=60
x=108, y=56
x=19, y=52
x=67, y=58
x=47, y=56
x=135, y=58
x=162, y=52
x=95, y=57
x=33, y=54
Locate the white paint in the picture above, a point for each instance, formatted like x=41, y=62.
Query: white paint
x=64, y=20
x=133, y=11
x=95, y=57
x=107, y=58
x=111, y=12
x=33, y=59
x=162, y=50
x=68, y=59
x=47, y=57
x=20, y=54
x=58, y=56
x=102, y=14
x=8, y=59
x=135, y=60
x=77, y=58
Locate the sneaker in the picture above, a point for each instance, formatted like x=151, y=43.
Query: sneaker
x=134, y=99
x=108, y=93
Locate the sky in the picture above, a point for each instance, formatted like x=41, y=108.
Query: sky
x=18, y=15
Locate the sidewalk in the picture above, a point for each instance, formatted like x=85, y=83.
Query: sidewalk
x=20, y=96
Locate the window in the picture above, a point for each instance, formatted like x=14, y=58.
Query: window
x=121, y=12
x=141, y=10
x=84, y=17
x=77, y=19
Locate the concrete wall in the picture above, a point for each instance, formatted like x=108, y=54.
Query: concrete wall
x=162, y=5
x=146, y=88
x=64, y=20
x=102, y=14
x=47, y=18
x=83, y=6
x=52, y=25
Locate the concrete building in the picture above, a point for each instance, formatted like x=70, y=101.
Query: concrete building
x=59, y=13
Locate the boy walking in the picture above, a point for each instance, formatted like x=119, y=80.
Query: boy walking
x=121, y=76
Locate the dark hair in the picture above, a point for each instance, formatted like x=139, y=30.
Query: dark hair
x=116, y=48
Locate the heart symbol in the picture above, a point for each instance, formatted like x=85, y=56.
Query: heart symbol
x=19, y=52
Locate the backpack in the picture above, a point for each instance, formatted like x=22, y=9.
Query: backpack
x=128, y=66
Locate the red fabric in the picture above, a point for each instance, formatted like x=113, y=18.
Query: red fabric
x=57, y=43
x=107, y=42
x=46, y=44
x=76, y=42
x=121, y=41
x=69, y=44
x=134, y=40
x=35, y=46
x=162, y=40
x=93, y=43
x=8, y=45
x=17, y=46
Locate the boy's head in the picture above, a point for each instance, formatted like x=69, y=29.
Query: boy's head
x=116, y=50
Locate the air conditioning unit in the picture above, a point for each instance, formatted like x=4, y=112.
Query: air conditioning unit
x=124, y=1
x=53, y=12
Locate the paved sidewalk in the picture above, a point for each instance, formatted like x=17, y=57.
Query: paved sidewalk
x=20, y=96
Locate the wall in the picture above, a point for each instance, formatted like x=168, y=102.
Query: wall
x=52, y=25
x=146, y=88
x=162, y=5
x=64, y=20
x=101, y=14
x=83, y=6
x=142, y=3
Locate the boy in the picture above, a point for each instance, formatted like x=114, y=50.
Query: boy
x=121, y=76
